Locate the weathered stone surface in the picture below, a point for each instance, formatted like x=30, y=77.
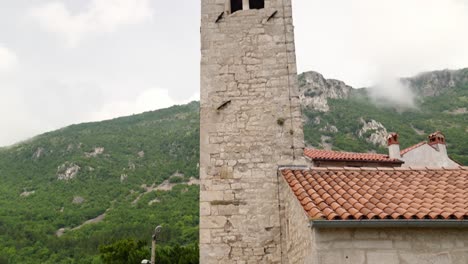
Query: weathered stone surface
x=38, y=153
x=67, y=171
x=248, y=84
x=315, y=90
x=96, y=152
x=27, y=193
x=390, y=246
x=378, y=133
x=382, y=257
x=78, y=200
x=297, y=237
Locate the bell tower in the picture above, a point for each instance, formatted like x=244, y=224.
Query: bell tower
x=250, y=124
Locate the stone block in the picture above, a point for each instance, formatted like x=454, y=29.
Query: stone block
x=425, y=258
x=343, y=244
x=354, y=256
x=372, y=244
x=205, y=209
x=332, y=235
x=228, y=209
x=460, y=256
x=208, y=196
x=382, y=258
x=331, y=257
x=213, y=222
x=205, y=236
x=366, y=234
x=402, y=244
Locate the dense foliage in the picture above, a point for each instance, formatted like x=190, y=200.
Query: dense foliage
x=120, y=160
x=130, y=251
x=414, y=124
x=143, y=149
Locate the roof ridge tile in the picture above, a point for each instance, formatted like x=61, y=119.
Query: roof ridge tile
x=417, y=168
x=318, y=168
x=453, y=168
x=385, y=168
x=336, y=168
x=408, y=149
x=352, y=168
x=402, y=168
x=368, y=168
x=434, y=168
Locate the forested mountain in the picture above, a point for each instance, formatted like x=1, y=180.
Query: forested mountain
x=85, y=192
x=112, y=174
x=342, y=118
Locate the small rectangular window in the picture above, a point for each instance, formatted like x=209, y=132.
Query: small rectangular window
x=236, y=5
x=257, y=4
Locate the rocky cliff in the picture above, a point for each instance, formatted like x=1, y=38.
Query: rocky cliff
x=342, y=118
x=315, y=90
x=436, y=83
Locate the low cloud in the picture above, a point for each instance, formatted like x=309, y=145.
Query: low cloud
x=148, y=100
x=8, y=59
x=35, y=107
x=390, y=91
x=55, y=104
x=101, y=16
x=356, y=37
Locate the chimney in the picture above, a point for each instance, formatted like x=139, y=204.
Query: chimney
x=437, y=141
x=393, y=146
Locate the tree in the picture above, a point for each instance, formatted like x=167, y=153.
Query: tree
x=124, y=252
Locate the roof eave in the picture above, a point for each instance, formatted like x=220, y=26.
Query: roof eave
x=400, y=223
x=363, y=161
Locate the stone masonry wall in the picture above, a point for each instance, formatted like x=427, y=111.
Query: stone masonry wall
x=392, y=246
x=250, y=124
x=296, y=234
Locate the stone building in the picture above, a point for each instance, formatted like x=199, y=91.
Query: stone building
x=374, y=215
x=261, y=203
x=250, y=123
x=432, y=153
x=425, y=154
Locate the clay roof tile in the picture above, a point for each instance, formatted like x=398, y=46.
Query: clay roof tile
x=414, y=193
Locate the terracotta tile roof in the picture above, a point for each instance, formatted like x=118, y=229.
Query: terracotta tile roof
x=318, y=154
x=403, y=152
x=381, y=193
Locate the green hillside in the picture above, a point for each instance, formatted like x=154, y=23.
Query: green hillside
x=446, y=112
x=141, y=149
x=130, y=174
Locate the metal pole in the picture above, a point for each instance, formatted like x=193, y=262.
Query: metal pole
x=153, y=250
x=157, y=230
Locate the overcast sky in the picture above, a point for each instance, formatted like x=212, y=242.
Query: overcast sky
x=66, y=61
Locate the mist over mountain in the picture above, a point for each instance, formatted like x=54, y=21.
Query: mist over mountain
x=342, y=118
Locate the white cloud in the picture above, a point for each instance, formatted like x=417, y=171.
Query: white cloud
x=8, y=59
x=52, y=105
x=148, y=100
x=100, y=16
x=391, y=91
x=361, y=40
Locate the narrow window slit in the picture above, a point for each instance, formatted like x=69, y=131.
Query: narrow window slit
x=257, y=4
x=236, y=5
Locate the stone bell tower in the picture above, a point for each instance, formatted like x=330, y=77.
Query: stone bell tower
x=250, y=125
